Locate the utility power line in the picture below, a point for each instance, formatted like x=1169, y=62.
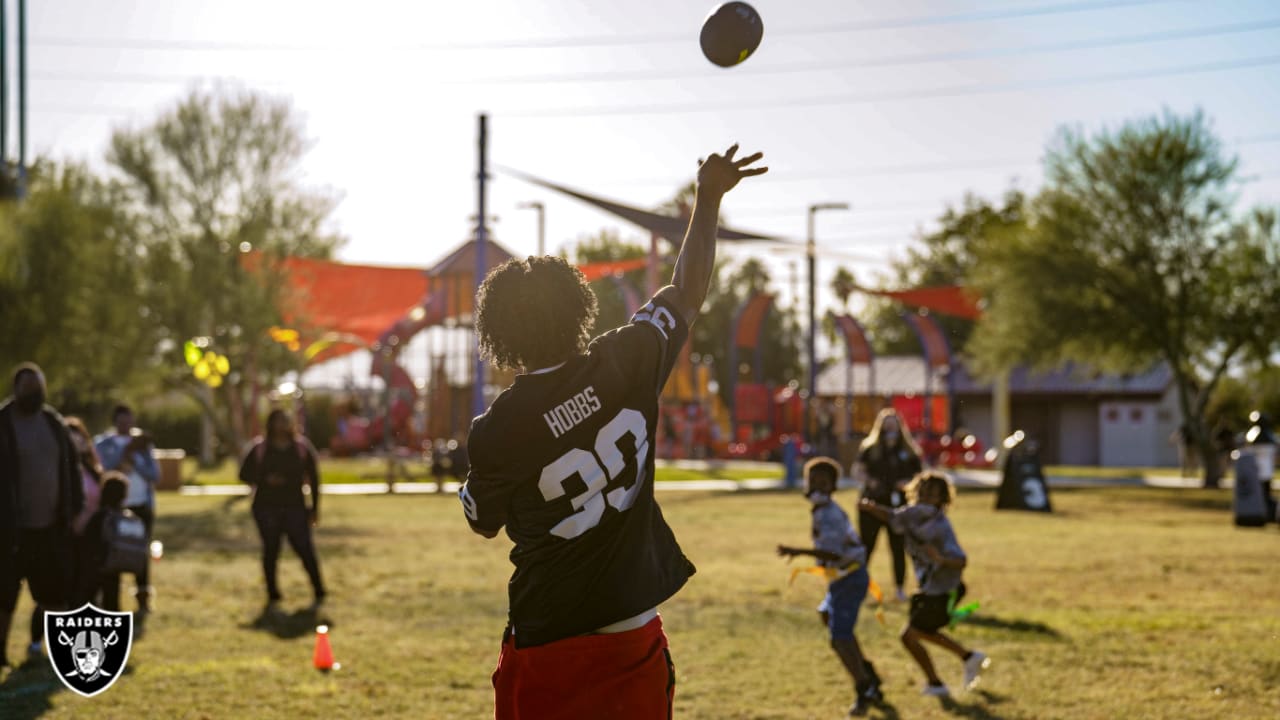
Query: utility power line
x=604, y=40
x=781, y=69
x=892, y=96
x=782, y=174
x=878, y=62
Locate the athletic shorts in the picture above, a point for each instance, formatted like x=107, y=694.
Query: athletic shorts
x=929, y=612
x=43, y=558
x=619, y=676
x=844, y=599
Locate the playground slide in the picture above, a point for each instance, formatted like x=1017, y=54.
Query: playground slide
x=359, y=435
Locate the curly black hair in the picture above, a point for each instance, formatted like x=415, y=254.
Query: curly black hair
x=821, y=466
x=933, y=478
x=534, y=313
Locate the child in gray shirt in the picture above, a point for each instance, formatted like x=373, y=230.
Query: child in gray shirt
x=939, y=562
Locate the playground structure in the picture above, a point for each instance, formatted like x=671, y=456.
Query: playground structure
x=381, y=310
x=761, y=419
x=350, y=308
x=764, y=417
x=343, y=308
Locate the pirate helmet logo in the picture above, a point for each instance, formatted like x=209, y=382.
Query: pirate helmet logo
x=89, y=647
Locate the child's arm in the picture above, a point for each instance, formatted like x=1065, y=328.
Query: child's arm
x=787, y=551
x=872, y=507
x=938, y=558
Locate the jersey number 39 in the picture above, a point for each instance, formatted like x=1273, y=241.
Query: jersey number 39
x=597, y=469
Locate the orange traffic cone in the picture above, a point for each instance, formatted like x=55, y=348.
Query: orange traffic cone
x=323, y=657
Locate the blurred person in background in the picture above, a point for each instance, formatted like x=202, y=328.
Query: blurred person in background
x=90, y=471
x=887, y=460
x=277, y=468
x=40, y=495
x=90, y=477
x=130, y=451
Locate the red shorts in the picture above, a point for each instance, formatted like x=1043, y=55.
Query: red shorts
x=618, y=676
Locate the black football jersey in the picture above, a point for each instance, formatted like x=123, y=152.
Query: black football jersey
x=564, y=460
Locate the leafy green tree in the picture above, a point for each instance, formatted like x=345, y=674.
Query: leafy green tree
x=1131, y=256
x=731, y=286
x=70, y=277
x=1238, y=395
x=945, y=256
x=843, y=285
x=211, y=178
x=608, y=246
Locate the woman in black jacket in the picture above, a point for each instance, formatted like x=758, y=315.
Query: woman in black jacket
x=277, y=468
x=887, y=460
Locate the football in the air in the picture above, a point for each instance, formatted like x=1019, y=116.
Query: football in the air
x=731, y=33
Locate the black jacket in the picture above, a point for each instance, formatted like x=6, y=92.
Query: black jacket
x=70, y=491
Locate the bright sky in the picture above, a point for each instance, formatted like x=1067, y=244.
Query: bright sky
x=895, y=106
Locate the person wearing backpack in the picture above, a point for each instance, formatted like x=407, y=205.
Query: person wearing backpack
x=114, y=542
x=281, y=469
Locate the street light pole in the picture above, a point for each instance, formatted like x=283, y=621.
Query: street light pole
x=811, y=253
x=482, y=267
x=542, y=223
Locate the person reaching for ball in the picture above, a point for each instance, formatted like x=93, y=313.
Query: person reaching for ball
x=564, y=460
x=838, y=548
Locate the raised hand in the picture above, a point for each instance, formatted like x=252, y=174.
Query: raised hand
x=721, y=173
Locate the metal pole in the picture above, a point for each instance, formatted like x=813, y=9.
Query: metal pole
x=848, y=397
x=1001, y=412
x=22, y=98
x=810, y=251
x=542, y=223
x=651, y=270
x=542, y=230
x=4, y=88
x=482, y=176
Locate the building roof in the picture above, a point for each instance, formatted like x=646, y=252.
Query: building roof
x=894, y=375
x=905, y=375
x=1071, y=379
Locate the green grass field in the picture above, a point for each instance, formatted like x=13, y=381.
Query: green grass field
x=1127, y=603
x=373, y=470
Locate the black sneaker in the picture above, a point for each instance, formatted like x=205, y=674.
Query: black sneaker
x=874, y=683
x=873, y=694
x=860, y=707
x=868, y=694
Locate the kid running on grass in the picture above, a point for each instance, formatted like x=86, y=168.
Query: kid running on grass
x=837, y=546
x=939, y=562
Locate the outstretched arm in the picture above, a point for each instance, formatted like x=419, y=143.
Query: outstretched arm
x=881, y=512
x=717, y=175
x=787, y=551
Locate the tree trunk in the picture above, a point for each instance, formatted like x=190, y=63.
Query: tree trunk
x=1193, y=420
x=1212, y=463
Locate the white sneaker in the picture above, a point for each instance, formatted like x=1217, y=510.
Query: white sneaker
x=976, y=663
x=939, y=690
